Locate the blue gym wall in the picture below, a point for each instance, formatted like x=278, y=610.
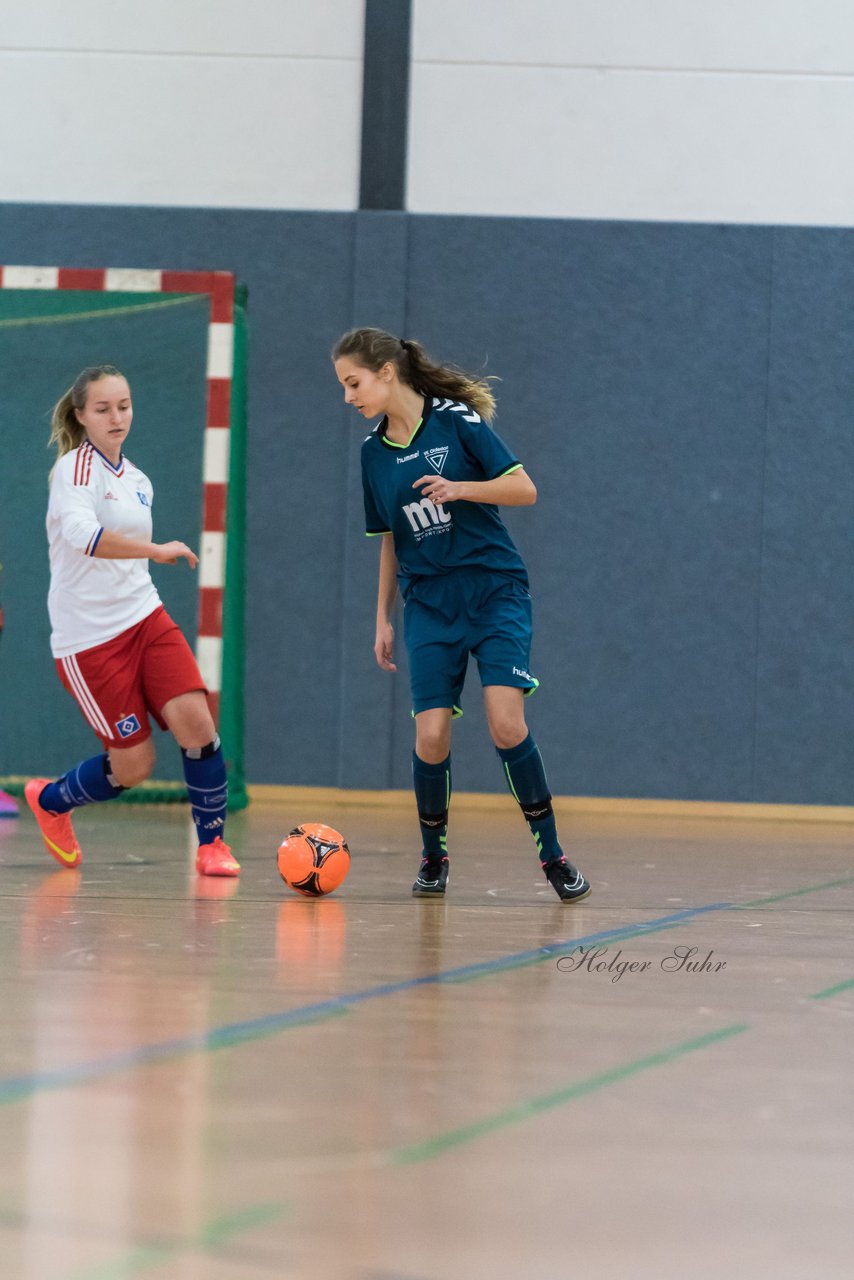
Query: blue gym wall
x=681, y=395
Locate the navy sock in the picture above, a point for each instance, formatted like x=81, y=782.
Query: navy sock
x=207, y=785
x=526, y=775
x=432, y=796
x=90, y=782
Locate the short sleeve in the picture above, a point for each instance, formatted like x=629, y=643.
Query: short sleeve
x=487, y=449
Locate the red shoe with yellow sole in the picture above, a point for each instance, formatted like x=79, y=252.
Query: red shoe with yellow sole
x=215, y=860
x=57, y=831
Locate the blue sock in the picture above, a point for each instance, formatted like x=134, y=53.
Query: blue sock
x=526, y=775
x=90, y=782
x=207, y=784
x=432, y=796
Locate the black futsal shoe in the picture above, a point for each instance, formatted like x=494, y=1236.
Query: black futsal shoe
x=566, y=880
x=432, y=878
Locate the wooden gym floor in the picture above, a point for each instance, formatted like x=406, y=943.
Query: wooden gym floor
x=220, y=1080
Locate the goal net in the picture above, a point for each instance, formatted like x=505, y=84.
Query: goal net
x=180, y=338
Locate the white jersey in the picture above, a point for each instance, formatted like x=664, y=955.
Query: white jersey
x=92, y=600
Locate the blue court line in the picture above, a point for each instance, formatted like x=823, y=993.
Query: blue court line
x=14, y=1088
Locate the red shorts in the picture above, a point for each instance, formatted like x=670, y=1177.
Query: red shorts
x=117, y=685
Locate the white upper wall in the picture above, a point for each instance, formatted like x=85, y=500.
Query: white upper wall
x=732, y=111
x=737, y=111
x=182, y=102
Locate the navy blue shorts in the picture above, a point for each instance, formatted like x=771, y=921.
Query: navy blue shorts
x=476, y=612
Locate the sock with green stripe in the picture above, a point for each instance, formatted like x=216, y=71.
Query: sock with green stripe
x=523, y=766
x=432, y=784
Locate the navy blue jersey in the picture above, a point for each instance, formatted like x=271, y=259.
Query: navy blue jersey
x=431, y=539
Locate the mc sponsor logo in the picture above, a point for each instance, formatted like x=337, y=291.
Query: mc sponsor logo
x=425, y=515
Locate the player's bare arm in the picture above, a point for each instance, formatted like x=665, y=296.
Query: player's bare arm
x=514, y=490
x=118, y=546
x=386, y=596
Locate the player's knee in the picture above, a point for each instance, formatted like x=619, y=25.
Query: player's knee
x=133, y=775
x=432, y=747
x=507, y=731
x=190, y=720
x=131, y=768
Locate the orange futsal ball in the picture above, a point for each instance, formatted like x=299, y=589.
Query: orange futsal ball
x=314, y=859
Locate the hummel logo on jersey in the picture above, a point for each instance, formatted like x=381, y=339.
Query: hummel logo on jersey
x=127, y=726
x=409, y=456
x=111, y=496
x=526, y=675
x=437, y=458
x=469, y=415
x=143, y=499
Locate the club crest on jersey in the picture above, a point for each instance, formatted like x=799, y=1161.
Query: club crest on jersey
x=127, y=726
x=143, y=499
x=437, y=458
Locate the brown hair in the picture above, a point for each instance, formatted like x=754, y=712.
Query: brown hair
x=372, y=348
x=65, y=430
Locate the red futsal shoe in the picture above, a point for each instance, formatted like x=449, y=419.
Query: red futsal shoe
x=216, y=860
x=57, y=831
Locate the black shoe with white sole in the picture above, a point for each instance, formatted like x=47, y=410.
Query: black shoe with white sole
x=432, y=878
x=566, y=880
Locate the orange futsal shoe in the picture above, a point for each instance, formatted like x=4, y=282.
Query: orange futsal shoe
x=57, y=831
x=216, y=860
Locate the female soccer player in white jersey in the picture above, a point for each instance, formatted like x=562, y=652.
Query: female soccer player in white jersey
x=117, y=651
x=434, y=474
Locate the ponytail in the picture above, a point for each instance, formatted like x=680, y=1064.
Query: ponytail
x=372, y=348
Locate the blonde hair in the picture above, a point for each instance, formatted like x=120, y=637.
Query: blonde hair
x=372, y=348
x=66, y=432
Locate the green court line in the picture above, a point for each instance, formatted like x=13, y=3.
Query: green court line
x=212, y=1235
x=70, y=317
x=438, y=1145
x=215, y=1233
x=132, y=1263
x=832, y=991
x=793, y=893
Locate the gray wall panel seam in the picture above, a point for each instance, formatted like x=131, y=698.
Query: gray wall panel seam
x=385, y=104
x=763, y=482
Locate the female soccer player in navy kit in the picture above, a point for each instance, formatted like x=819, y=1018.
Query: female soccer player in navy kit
x=117, y=651
x=434, y=474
